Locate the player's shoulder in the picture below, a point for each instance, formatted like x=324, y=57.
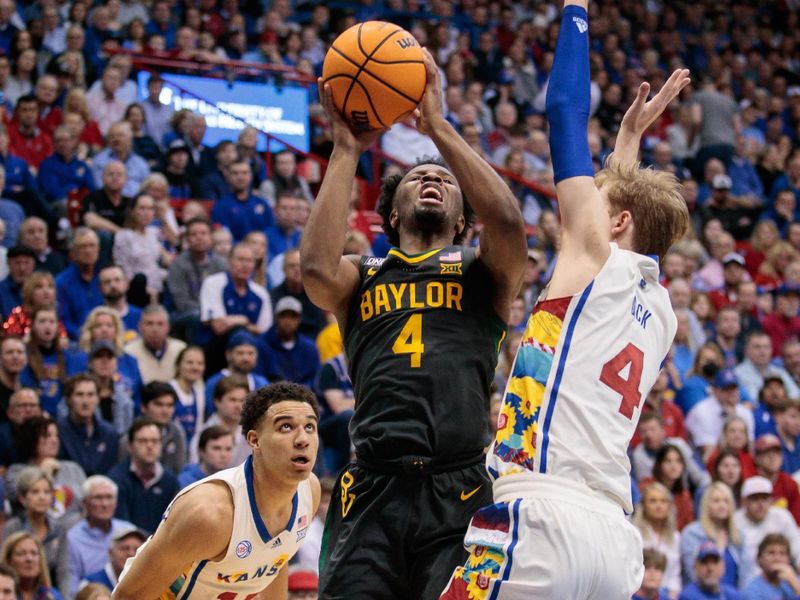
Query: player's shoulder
x=208, y=506
x=316, y=491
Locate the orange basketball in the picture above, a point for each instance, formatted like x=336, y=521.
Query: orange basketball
x=376, y=73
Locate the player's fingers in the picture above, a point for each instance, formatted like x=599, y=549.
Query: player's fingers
x=641, y=94
x=430, y=65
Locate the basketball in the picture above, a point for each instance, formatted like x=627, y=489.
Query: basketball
x=377, y=74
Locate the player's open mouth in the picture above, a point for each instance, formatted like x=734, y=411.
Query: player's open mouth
x=431, y=191
x=300, y=461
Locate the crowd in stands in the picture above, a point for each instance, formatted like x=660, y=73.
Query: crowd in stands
x=134, y=327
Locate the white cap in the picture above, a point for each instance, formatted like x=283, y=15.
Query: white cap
x=756, y=485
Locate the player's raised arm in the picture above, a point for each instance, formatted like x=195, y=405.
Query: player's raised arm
x=642, y=113
x=584, y=217
x=503, y=245
x=329, y=278
x=197, y=528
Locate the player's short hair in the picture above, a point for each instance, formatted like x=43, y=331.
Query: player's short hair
x=653, y=559
x=774, y=539
x=386, y=202
x=258, y=402
x=659, y=212
x=157, y=389
x=212, y=433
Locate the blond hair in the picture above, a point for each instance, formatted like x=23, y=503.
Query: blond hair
x=8, y=549
x=781, y=248
x=653, y=198
x=643, y=524
x=32, y=283
x=85, y=339
x=705, y=519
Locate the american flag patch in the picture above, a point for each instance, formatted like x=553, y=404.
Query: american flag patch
x=454, y=256
x=302, y=521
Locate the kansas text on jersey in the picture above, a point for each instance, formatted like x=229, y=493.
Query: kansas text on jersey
x=254, y=556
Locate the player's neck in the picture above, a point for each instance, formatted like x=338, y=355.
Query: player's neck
x=417, y=244
x=273, y=497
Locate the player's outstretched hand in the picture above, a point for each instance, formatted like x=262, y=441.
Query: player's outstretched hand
x=642, y=113
x=343, y=136
x=429, y=112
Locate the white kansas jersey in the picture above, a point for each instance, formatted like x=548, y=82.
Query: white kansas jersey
x=254, y=556
x=583, y=368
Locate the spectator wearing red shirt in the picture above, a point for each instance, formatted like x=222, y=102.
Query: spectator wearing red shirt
x=769, y=460
x=669, y=413
x=733, y=273
x=27, y=141
x=46, y=93
x=783, y=324
x=734, y=439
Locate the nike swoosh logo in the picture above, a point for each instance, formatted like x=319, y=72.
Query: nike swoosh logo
x=466, y=496
x=371, y=272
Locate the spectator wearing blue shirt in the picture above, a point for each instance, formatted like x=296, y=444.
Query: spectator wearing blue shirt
x=77, y=286
x=114, y=287
x=708, y=570
x=295, y=357
x=787, y=426
x=337, y=401
x=214, y=451
x=231, y=299
x=21, y=263
x=214, y=185
x=124, y=545
x=161, y=22
x=744, y=177
x=12, y=215
x=89, y=540
x=284, y=234
x=103, y=324
x=655, y=563
x=772, y=395
x=242, y=356
x=86, y=438
x=241, y=211
x=778, y=579
x=790, y=180
x=63, y=172
x=783, y=211
x=19, y=178
x=48, y=361
x=120, y=148
x=145, y=487
x=7, y=28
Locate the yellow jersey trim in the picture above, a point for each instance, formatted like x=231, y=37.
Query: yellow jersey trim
x=417, y=258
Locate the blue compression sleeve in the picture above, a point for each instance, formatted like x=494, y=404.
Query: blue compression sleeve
x=568, y=98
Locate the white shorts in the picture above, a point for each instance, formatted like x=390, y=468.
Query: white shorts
x=548, y=538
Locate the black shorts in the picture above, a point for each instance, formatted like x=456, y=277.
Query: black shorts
x=398, y=536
